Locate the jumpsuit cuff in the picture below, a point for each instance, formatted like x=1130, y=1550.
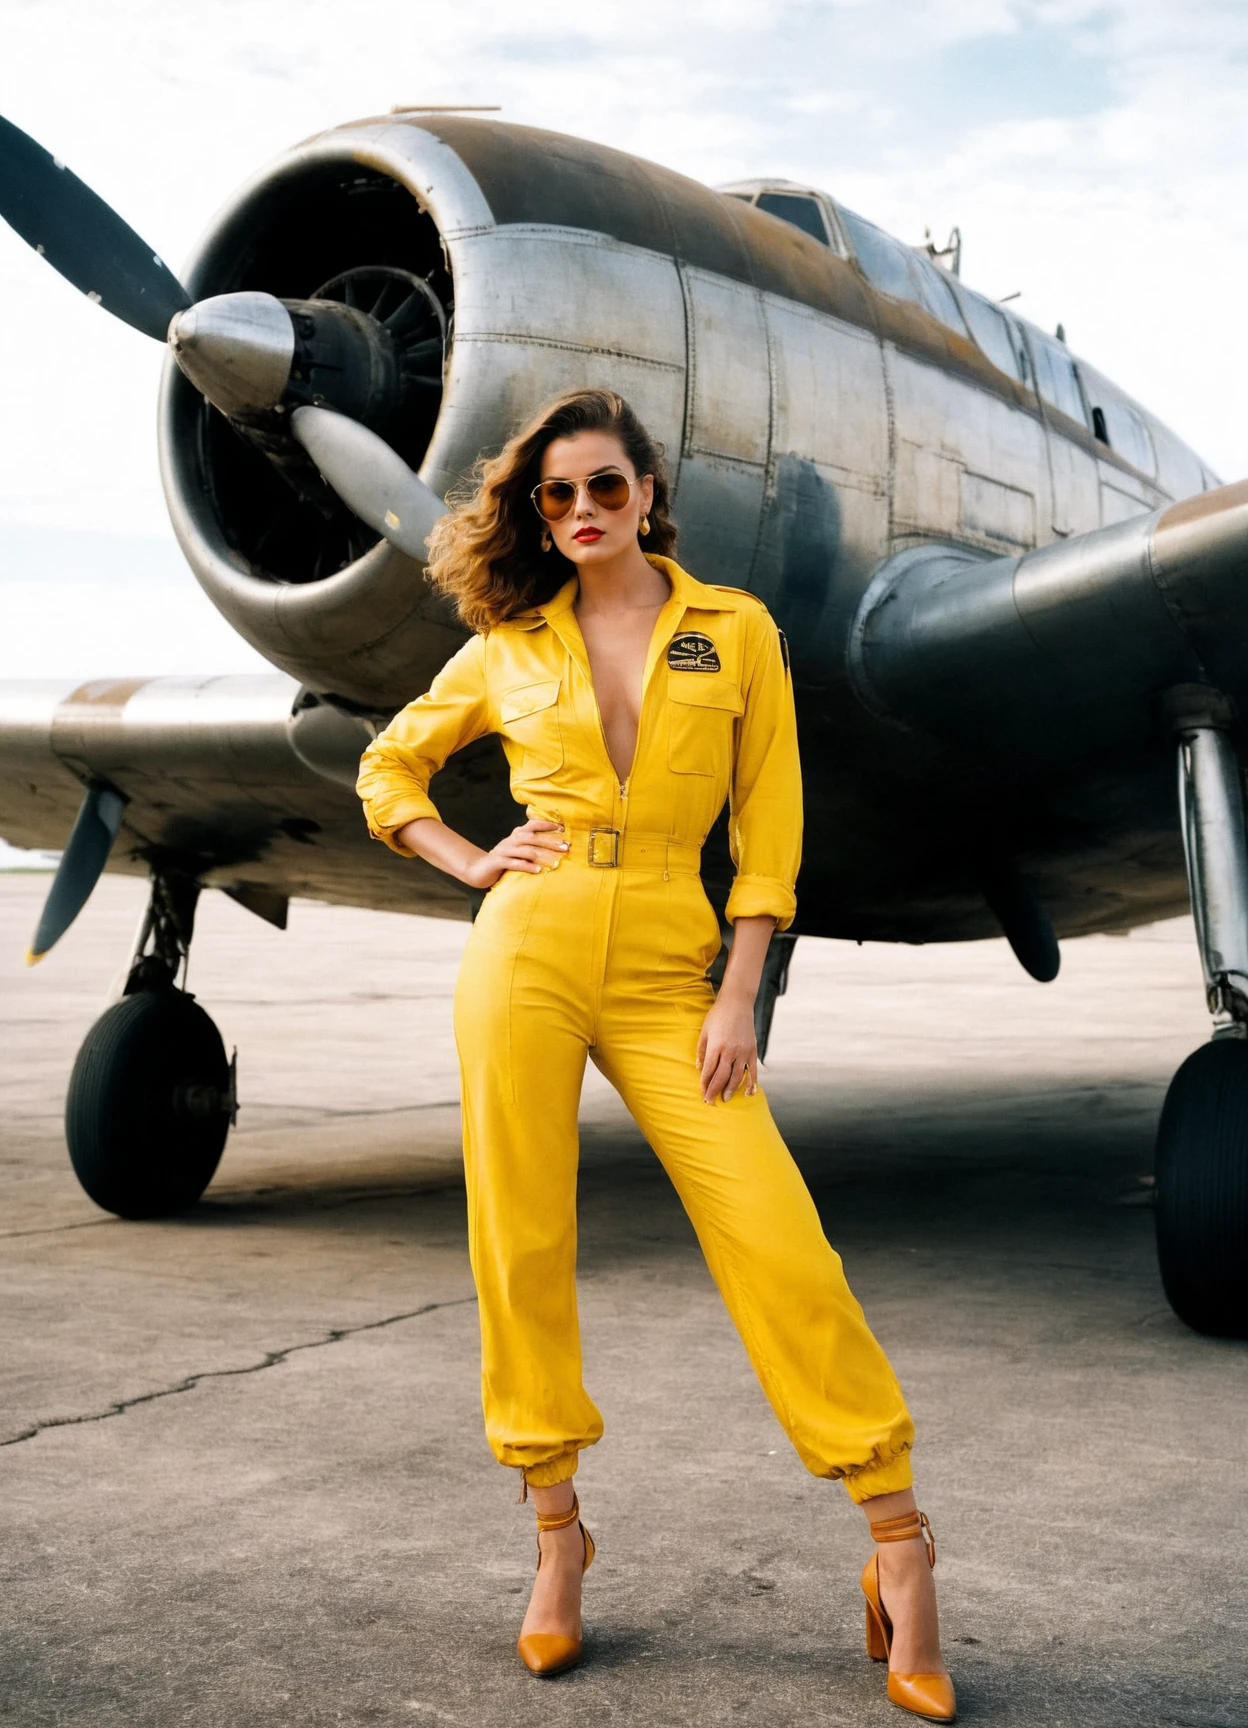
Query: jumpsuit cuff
x=762, y=897
x=553, y=1471
x=889, y=1477
x=388, y=815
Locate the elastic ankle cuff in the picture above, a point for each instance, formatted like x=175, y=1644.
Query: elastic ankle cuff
x=553, y=1471
x=873, y=1479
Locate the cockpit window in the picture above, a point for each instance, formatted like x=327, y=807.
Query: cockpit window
x=801, y=211
x=996, y=336
x=1055, y=377
x=936, y=294
x=902, y=272
x=884, y=262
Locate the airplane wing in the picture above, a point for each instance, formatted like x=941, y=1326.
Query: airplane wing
x=243, y=783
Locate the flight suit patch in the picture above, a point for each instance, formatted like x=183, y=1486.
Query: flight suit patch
x=693, y=653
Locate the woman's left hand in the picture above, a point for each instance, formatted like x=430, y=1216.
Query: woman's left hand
x=728, y=1050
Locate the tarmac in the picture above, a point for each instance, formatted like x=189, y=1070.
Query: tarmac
x=242, y=1469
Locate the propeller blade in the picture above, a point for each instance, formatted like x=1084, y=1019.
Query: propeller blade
x=82, y=863
x=370, y=477
x=79, y=235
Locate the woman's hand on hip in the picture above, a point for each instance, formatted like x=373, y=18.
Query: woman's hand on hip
x=534, y=847
x=728, y=1050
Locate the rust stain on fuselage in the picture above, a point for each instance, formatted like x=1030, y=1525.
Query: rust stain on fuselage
x=89, y=716
x=528, y=175
x=1204, y=504
x=105, y=693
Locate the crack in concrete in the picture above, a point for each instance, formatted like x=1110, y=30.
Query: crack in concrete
x=272, y=1359
x=56, y=1229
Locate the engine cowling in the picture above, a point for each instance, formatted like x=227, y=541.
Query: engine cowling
x=347, y=232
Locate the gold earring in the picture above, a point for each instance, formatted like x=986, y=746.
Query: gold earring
x=643, y=527
x=547, y=542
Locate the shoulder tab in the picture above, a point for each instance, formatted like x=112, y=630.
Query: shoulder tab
x=736, y=595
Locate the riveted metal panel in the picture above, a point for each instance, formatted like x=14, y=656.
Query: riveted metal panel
x=719, y=501
x=729, y=371
x=825, y=521
x=1121, y=496
x=829, y=405
x=967, y=463
x=995, y=512
x=566, y=284
x=1072, y=471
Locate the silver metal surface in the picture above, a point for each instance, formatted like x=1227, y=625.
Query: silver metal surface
x=329, y=740
x=1063, y=649
x=371, y=477
x=236, y=349
x=1211, y=807
x=226, y=782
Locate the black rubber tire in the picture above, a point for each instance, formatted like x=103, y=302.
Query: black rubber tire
x=137, y=1146
x=1202, y=1190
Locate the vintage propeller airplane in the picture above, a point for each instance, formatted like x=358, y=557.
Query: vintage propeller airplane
x=1015, y=601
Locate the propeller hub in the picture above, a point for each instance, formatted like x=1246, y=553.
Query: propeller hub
x=237, y=349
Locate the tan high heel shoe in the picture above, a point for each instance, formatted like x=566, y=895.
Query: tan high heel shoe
x=547, y=1653
x=929, y=1695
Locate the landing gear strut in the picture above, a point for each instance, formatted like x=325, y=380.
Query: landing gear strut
x=1202, y=1141
x=152, y=1095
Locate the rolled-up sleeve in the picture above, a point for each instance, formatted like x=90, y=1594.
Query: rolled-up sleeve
x=765, y=800
x=398, y=765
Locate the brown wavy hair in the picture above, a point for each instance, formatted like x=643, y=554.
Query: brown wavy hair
x=486, y=554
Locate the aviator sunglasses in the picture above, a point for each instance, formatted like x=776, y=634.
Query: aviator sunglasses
x=553, y=499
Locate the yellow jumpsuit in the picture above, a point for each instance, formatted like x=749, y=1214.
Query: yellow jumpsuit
x=606, y=955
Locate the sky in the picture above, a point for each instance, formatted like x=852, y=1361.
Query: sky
x=1094, y=155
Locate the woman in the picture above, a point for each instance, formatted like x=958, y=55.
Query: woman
x=631, y=701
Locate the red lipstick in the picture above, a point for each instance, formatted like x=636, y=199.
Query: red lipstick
x=588, y=535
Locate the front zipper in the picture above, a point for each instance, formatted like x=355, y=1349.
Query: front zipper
x=621, y=786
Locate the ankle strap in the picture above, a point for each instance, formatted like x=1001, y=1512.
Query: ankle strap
x=907, y=1528
x=559, y=1520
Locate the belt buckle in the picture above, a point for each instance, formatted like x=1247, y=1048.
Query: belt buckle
x=600, y=863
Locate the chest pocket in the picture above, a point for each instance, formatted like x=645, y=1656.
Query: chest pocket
x=529, y=720
x=702, y=710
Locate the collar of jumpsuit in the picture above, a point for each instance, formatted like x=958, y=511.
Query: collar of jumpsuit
x=692, y=695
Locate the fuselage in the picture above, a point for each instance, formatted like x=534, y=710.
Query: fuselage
x=826, y=396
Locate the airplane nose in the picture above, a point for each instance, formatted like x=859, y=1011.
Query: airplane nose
x=237, y=350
